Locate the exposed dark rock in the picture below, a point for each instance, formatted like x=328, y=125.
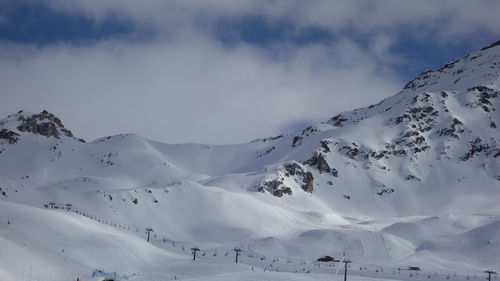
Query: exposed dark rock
x=318, y=160
x=324, y=145
x=385, y=191
x=266, y=152
x=399, y=152
x=480, y=89
x=421, y=149
x=12, y=137
x=297, y=140
x=453, y=130
x=412, y=178
x=337, y=120
x=497, y=43
x=411, y=134
x=335, y=173
x=400, y=119
x=275, y=187
x=45, y=124
x=378, y=155
x=415, y=83
x=351, y=151
x=273, y=184
x=483, y=96
x=476, y=147
x=280, y=192
x=308, y=180
x=309, y=131
x=293, y=168
x=420, y=140
x=269, y=139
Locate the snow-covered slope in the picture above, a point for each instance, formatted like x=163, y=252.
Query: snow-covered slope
x=413, y=179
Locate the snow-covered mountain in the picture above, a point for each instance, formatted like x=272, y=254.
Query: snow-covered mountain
x=412, y=180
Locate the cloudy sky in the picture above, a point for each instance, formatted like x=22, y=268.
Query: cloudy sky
x=222, y=71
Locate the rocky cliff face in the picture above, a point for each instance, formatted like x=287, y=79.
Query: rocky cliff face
x=43, y=124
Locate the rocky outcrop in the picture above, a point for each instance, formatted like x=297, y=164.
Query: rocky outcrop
x=294, y=175
x=297, y=140
x=454, y=130
x=318, y=160
x=385, y=190
x=351, y=151
x=269, y=139
x=412, y=178
x=295, y=169
x=308, y=181
x=482, y=98
x=478, y=146
x=12, y=137
x=337, y=121
x=275, y=187
x=44, y=123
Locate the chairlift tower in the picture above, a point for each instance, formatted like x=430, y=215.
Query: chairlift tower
x=237, y=250
x=490, y=272
x=148, y=230
x=345, y=268
x=194, y=250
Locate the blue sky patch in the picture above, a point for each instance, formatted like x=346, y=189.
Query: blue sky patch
x=35, y=23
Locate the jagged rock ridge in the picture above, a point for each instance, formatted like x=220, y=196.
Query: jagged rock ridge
x=43, y=123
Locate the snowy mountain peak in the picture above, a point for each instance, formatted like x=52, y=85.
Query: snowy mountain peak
x=477, y=68
x=442, y=117
x=43, y=123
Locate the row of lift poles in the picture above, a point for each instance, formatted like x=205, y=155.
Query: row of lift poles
x=238, y=251
x=194, y=250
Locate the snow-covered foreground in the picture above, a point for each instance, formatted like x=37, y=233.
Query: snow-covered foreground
x=412, y=181
x=55, y=244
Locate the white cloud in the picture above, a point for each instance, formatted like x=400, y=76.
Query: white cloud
x=192, y=90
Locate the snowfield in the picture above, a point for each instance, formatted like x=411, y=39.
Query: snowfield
x=412, y=181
